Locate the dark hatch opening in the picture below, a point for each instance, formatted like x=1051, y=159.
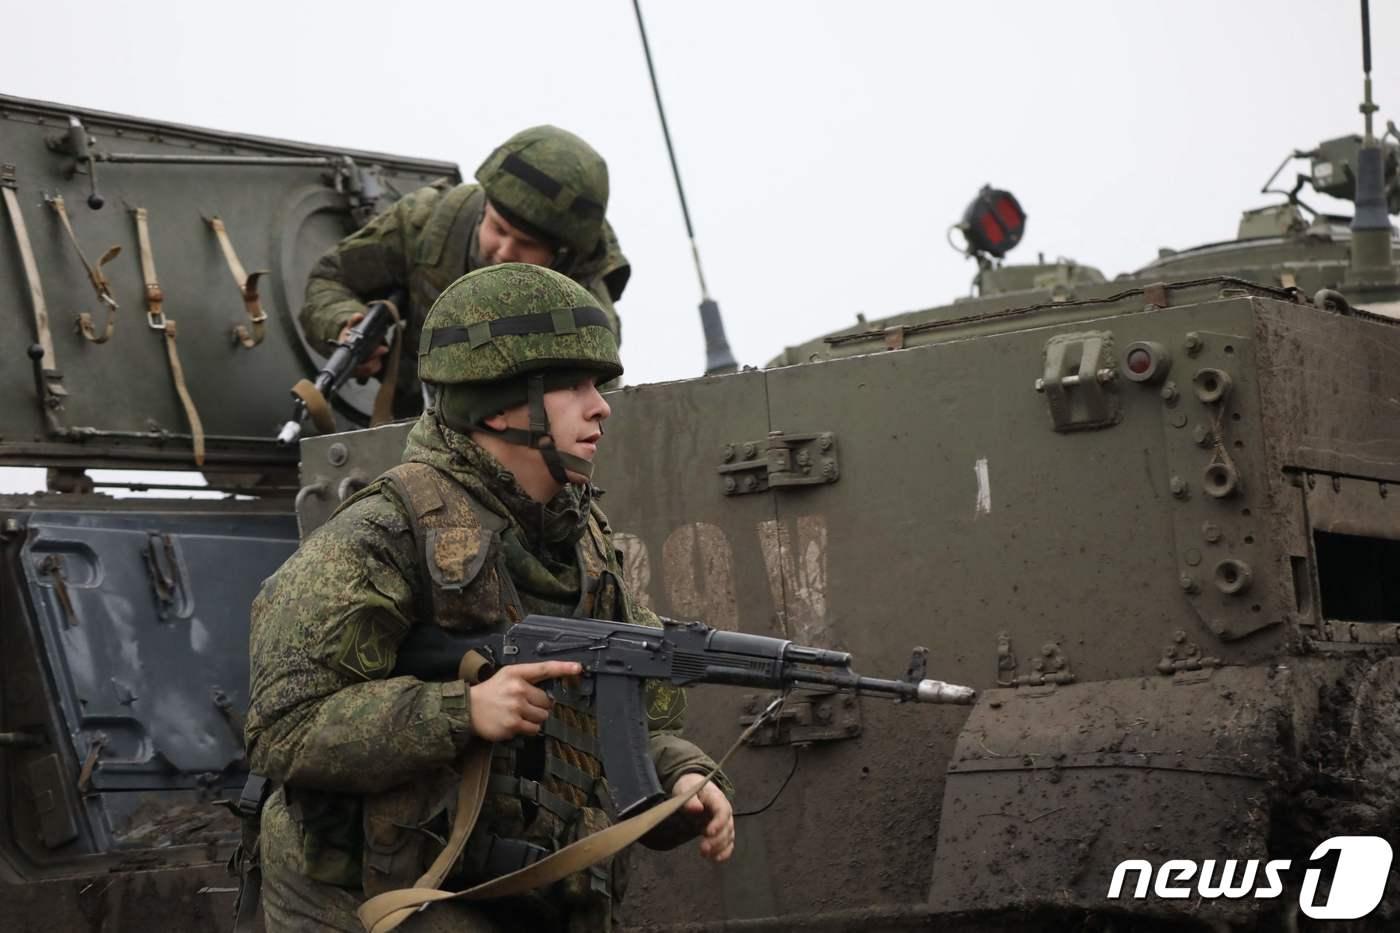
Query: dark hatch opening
x=1358, y=576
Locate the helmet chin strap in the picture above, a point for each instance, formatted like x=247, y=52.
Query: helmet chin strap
x=539, y=438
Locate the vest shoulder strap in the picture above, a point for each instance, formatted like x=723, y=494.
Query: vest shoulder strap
x=450, y=222
x=454, y=533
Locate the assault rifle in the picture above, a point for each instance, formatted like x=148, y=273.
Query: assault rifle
x=619, y=658
x=349, y=353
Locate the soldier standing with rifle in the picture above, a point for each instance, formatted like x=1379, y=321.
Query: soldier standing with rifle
x=490, y=518
x=541, y=198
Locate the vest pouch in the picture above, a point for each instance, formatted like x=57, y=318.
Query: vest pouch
x=456, y=555
x=589, y=891
x=397, y=828
x=330, y=839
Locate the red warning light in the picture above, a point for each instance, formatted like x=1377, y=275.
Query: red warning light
x=991, y=230
x=993, y=222
x=1009, y=213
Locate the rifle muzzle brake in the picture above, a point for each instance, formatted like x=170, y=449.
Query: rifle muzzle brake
x=937, y=691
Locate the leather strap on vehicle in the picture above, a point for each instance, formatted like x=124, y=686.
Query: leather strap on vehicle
x=387, y=911
x=53, y=382
x=316, y=405
x=177, y=374
x=95, y=276
x=252, y=333
x=90, y=764
x=156, y=319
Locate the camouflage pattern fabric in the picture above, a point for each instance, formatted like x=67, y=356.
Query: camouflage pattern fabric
x=422, y=244
x=294, y=903
x=514, y=293
x=551, y=182
x=327, y=722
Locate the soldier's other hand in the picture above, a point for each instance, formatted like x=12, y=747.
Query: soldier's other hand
x=508, y=703
x=711, y=809
x=374, y=363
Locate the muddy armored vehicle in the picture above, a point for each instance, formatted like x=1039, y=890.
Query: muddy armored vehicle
x=1154, y=520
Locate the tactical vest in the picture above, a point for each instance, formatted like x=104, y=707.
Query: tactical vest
x=544, y=791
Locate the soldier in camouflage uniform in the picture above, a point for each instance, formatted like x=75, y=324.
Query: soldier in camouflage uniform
x=490, y=517
x=541, y=198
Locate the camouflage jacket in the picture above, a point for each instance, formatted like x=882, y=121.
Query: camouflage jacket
x=328, y=723
x=422, y=244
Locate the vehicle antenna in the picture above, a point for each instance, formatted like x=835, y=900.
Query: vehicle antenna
x=718, y=357
x=1372, y=262
x=1367, y=106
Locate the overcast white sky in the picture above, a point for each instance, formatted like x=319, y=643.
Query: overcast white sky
x=825, y=146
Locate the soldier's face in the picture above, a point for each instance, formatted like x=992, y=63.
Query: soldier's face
x=500, y=242
x=576, y=417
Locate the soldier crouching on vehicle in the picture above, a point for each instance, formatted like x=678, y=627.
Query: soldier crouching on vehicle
x=490, y=518
x=540, y=198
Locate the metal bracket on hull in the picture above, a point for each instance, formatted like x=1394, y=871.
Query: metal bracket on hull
x=782, y=460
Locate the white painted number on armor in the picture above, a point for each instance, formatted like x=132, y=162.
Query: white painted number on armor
x=698, y=566
x=984, y=487
x=636, y=565
x=797, y=577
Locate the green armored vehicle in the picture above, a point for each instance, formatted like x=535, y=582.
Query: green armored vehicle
x=1154, y=520
x=1151, y=518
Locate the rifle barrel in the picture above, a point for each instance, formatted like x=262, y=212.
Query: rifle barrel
x=924, y=691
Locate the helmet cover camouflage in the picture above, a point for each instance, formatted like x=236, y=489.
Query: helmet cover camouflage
x=512, y=319
x=549, y=182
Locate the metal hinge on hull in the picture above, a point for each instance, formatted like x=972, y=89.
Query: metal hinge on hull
x=806, y=717
x=780, y=461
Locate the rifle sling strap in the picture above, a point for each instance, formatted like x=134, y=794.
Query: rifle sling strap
x=245, y=914
x=316, y=406
x=472, y=666
x=387, y=911
x=155, y=317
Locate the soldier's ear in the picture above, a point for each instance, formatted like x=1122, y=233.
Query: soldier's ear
x=496, y=422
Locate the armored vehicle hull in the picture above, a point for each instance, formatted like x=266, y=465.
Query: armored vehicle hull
x=1174, y=584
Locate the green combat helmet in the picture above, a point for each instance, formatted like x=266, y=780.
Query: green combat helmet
x=505, y=335
x=551, y=184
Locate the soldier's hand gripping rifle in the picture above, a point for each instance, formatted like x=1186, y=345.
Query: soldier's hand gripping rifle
x=618, y=659
x=313, y=395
